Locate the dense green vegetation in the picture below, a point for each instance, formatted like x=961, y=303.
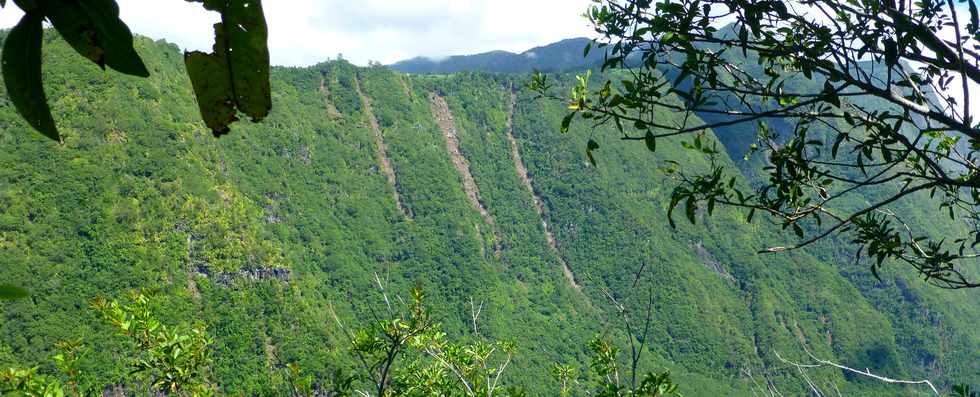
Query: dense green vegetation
x=263, y=236
x=403, y=353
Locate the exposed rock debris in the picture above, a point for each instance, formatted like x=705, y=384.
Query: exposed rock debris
x=382, y=152
x=253, y=274
x=711, y=263
x=444, y=118
x=538, y=204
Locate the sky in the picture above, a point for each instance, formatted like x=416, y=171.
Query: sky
x=305, y=32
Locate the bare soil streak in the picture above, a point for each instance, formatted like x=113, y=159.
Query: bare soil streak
x=538, y=204
x=331, y=109
x=711, y=263
x=408, y=92
x=444, y=118
x=382, y=152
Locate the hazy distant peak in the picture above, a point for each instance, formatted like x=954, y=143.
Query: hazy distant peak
x=563, y=55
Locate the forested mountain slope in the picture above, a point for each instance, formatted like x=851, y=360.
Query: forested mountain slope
x=563, y=56
x=460, y=183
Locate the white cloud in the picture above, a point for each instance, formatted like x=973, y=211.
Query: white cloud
x=304, y=32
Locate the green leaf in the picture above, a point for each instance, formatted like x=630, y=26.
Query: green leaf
x=974, y=17
x=651, y=141
x=743, y=38
x=798, y=230
x=592, y=145
x=891, y=52
x=9, y=292
x=76, y=29
x=566, y=122
x=212, y=86
x=689, y=206
x=94, y=30
x=830, y=94
x=675, y=199
x=685, y=72
x=236, y=75
x=249, y=56
x=874, y=272
x=115, y=36
x=22, y=74
x=840, y=138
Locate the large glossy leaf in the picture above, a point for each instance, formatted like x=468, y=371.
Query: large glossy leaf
x=76, y=29
x=212, y=86
x=650, y=141
x=589, y=148
x=22, y=74
x=94, y=29
x=247, y=35
x=116, y=37
x=236, y=74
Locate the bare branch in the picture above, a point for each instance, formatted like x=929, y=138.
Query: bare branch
x=820, y=363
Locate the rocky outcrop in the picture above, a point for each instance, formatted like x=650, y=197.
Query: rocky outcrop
x=711, y=263
x=253, y=274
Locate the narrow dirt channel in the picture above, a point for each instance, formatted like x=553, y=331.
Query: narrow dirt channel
x=331, y=109
x=382, y=152
x=444, y=118
x=538, y=204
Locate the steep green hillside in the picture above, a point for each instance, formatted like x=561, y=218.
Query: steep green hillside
x=461, y=183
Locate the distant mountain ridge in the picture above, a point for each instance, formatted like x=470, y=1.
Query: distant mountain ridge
x=564, y=55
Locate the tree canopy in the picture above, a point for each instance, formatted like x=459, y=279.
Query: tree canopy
x=844, y=102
